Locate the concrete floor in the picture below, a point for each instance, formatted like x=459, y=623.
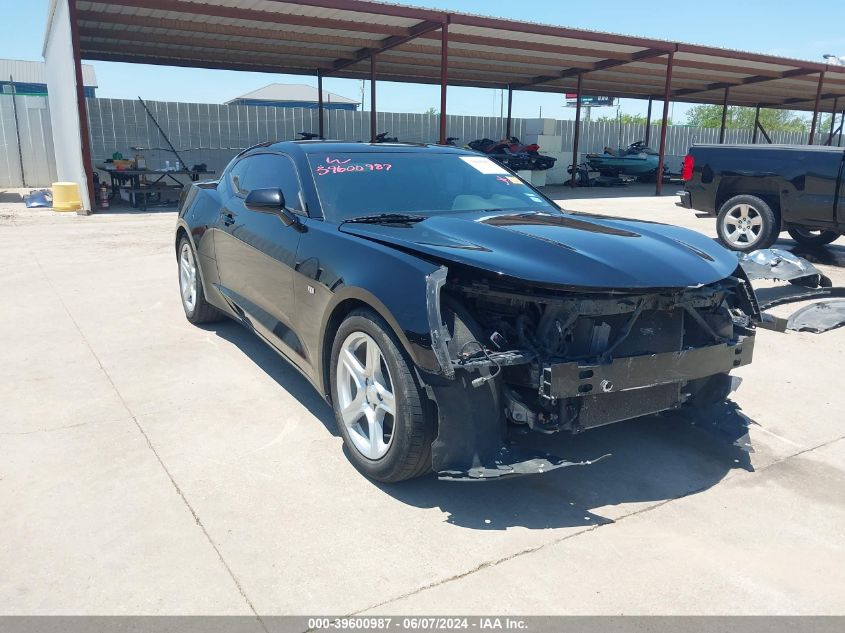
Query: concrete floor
x=148, y=466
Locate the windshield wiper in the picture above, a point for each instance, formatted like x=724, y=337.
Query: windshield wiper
x=386, y=218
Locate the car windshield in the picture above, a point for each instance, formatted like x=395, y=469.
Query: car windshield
x=356, y=184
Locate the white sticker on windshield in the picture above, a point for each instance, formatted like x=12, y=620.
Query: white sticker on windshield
x=484, y=165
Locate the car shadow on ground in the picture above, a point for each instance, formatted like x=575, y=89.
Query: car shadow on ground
x=652, y=459
x=830, y=255
x=277, y=368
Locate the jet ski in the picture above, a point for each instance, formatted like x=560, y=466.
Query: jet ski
x=636, y=160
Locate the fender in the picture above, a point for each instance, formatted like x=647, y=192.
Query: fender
x=335, y=268
x=417, y=347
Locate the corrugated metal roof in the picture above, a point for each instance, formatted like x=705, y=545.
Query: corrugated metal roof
x=293, y=92
x=336, y=37
x=31, y=72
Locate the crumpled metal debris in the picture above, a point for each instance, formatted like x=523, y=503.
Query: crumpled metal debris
x=774, y=263
x=818, y=317
x=38, y=198
x=512, y=461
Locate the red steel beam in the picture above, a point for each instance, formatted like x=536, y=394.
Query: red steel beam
x=362, y=6
x=538, y=47
x=444, y=78
x=320, y=123
x=100, y=20
x=118, y=55
x=667, y=96
x=509, y=122
x=816, y=108
x=271, y=17
x=203, y=42
x=724, y=116
x=600, y=65
x=384, y=45
x=576, y=136
x=82, y=107
x=744, y=56
x=558, y=31
x=373, y=130
x=756, y=79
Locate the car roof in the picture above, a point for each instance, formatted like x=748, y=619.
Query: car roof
x=319, y=147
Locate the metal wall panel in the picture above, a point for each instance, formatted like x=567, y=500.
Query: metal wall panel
x=36, y=143
x=213, y=134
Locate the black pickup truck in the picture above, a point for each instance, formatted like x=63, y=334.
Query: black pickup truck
x=757, y=191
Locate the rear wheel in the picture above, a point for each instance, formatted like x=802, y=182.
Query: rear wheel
x=197, y=309
x=747, y=223
x=380, y=409
x=811, y=237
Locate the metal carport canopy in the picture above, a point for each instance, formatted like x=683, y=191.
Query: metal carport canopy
x=338, y=37
x=360, y=39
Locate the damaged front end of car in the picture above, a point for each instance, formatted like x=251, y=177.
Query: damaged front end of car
x=518, y=357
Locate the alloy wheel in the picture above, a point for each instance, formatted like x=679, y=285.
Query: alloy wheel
x=366, y=402
x=188, y=278
x=742, y=225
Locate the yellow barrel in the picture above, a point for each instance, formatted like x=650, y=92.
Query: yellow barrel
x=66, y=196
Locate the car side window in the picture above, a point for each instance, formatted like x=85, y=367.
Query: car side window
x=267, y=171
x=237, y=176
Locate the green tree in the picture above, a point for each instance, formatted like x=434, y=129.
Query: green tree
x=628, y=119
x=431, y=111
x=740, y=117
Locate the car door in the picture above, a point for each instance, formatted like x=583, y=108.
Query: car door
x=814, y=201
x=256, y=251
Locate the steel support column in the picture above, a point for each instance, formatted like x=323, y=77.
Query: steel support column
x=373, y=126
x=724, y=116
x=816, y=108
x=841, y=126
x=577, y=132
x=509, y=121
x=444, y=78
x=647, y=139
x=320, y=124
x=756, y=124
x=832, y=132
x=82, y=106
x=667, y=95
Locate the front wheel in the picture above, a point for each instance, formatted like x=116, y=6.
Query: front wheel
x=747, y=223
x=380, y=409
x=811, y=237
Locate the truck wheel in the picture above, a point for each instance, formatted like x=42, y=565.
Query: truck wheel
x=811, y=237
x=746, y=223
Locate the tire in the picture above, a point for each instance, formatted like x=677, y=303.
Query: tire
x=747, y=223
x=811, y=237
x=197, y=309
x=399, y=446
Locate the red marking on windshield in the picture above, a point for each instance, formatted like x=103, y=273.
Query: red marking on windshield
x=323, y=170
x=504, y=180
x=330, y=160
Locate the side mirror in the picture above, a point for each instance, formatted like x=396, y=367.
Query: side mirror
x=270, y=201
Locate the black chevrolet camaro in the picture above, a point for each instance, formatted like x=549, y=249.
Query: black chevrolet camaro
x=440, y=303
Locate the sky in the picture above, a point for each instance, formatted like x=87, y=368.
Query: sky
x=803, y=30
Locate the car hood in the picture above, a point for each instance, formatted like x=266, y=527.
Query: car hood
x=570, y=250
